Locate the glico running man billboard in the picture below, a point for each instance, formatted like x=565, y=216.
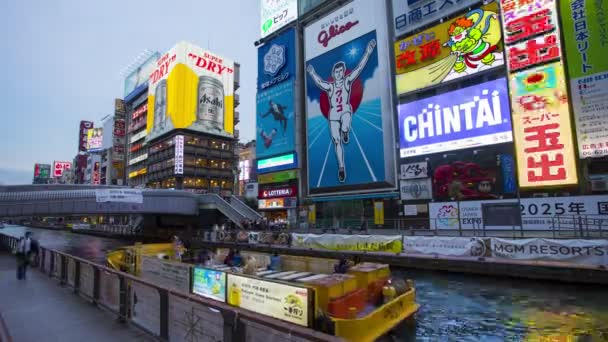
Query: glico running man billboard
x=275, y=112
x=193, y=89
x=464, y=118
x=348, y=107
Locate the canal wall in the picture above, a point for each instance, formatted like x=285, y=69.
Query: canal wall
x=565, y=260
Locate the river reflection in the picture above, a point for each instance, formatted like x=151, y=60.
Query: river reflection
x=454, y=307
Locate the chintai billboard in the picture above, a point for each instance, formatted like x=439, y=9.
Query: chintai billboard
x=349, y=111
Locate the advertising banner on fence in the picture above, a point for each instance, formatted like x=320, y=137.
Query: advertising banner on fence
x=191, y=88
x=209, y=283
x=337, y=242
x=464, y=118
x=584, y=252
x=414, y=170
x=544, y=145
x=416, y=189
x=412, y=14
x=585, y=27
x=468, y=44
x=348, y=103
x=284, y=302
x=275, y=14
x=452, y=246
x=119, y=195
x=173, y=275
x=536, y=213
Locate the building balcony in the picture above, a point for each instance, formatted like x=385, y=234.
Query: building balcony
x=236, y=117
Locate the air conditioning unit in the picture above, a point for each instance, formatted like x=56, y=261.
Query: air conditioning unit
x=599, y=185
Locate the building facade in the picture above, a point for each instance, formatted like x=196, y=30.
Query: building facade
x=402, y=117
x=247, y=170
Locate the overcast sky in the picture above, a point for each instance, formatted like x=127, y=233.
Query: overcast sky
x=61, y=62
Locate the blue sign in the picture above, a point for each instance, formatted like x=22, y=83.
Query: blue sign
x=507, y=165
x=209, y=283
x=275, y=114
x=344, y=116
x=275, y=120
x=277, y=60
x=464, y=118
x=278, y=163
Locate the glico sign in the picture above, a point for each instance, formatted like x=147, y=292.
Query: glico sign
x=278, y=192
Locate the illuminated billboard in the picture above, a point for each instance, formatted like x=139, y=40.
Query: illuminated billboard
x=464, y=118
x=409, y=15
x=191, y=88
x=585, y=27
x=275, y=109
x=542, y=129
x=140, y=75
x=348, y=103
x=95, y=139
x=278, y=163
x=42, y=170
x=85, y=126
x=59, y=167
x=275, y=14
x=466, y=45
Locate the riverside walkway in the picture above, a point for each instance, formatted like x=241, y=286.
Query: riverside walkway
x=38, y=309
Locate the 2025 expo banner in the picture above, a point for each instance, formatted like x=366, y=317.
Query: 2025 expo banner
x=348, y=102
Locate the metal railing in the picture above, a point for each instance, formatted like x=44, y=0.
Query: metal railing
x=177, y=315
x=244, y=209
x=224, y=207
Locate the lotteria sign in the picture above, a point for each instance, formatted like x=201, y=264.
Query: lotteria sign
x=278, y=192
x=282, y=162
x=468, y=117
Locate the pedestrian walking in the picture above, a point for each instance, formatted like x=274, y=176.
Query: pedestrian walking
x=23, y=253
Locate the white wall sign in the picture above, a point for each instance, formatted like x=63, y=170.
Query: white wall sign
x=410, y=210
x=453, y=246
x=276, y=14
x=414, y=170
x=138, y=136
x=586, y=252
x=168, y=274
x=416, y=189
x=138, y=159
x=119, y=195
x=179, y=155
x=537, y=213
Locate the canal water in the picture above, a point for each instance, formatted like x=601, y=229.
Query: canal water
x=454, y=307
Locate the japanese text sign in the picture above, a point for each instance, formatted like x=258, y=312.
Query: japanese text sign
x=414, y=170
x=275, y=14
x=523, y=21
x=179, y=155
x=59, y=167
x=585, y=27
x=541, y=127
x=465, y=45
x=412, y=14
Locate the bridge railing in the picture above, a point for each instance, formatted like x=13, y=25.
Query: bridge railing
x=166, y=313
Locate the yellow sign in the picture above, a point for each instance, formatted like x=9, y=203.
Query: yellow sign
x=312, y=214
x=139, y=172
x=285, y=302
x=379, y=212
x=459, y=47
x=358, y=243
x=542, y=128
x=191, y=88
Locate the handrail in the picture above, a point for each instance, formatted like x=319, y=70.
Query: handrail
x=254, y=215
x=232, y=315
x=224, y=207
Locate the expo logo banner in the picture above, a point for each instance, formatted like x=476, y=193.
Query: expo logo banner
x=468, y=44
x=191, y=88
x=348, y=107
x=464, y=118
x=277, y=60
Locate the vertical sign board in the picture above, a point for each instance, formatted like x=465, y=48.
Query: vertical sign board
x=541, y=117
x=585, y=27
x=275, y=109
x=348, y=103
x=179, y=155
x=468, y=44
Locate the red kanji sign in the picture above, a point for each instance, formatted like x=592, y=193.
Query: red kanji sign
x=527, y=26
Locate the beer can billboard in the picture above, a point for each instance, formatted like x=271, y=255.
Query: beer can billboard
x=191, y=88
x=466, y=45
x=275, y=109
x=348, y=103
